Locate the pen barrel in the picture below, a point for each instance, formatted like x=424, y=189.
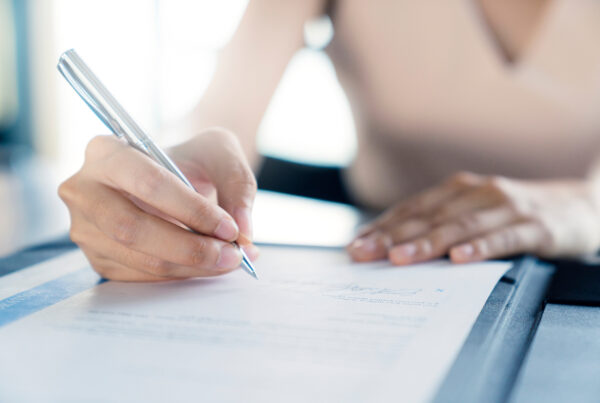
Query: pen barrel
x=164, y=160
x=108, y=109
x=89, y=87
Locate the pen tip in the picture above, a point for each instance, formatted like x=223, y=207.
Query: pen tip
x=247, y=265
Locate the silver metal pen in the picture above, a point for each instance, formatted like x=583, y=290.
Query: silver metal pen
x=106, y=107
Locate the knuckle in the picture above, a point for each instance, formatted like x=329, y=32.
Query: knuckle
x=125, y=228
x=251, y=181
x=223, y=133
x=66, y=191
x=243, y=176
x=222, y=137
x=95, y=145
x=148, y=182
x=247, y=185
x=241, y=183
x=207, y=255
x=462, y=179
x=199, y=216
x=469, y=223
x=76, y=235
x=497, y=184
x=98, y=146
x=156, y=266
x=409, y=229
x=76, y=194
x=198, y=252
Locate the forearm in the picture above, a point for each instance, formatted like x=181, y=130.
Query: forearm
x=250, y=67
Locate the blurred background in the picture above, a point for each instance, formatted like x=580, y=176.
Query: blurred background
x=157, y=57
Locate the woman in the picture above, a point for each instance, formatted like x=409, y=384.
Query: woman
x=506, y=90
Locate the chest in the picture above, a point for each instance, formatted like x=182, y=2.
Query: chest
x=433, y=67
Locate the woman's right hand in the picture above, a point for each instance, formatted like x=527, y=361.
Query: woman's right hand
x=127, y=212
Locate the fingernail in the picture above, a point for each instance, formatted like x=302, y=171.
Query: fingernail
x=226, y=230
x=230, y=257
x=465, y=251
x=403, y=254
x=243, y=217
x=407, y=250
x=364, y=245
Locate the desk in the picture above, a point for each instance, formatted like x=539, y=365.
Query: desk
x=520, y=348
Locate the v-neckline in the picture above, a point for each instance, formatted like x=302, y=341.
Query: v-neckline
x=500, y=45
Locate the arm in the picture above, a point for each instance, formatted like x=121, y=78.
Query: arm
x=250, y=67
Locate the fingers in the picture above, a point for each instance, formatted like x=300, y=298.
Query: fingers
x=423, y=203
x=129, y=170
x=111, y=270
x=468, y=201
x=410, y=229
x=439, y=240
x=373, y=246
x=442, y=213
x=123, y=222
x=470, y=217
x=509, y=241
x=126, y=215
x=419, y=215
x=115, y=261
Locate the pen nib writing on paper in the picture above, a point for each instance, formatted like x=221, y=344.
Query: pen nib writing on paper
x=246, y=263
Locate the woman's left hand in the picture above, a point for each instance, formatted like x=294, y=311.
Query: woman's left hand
x=472, y=218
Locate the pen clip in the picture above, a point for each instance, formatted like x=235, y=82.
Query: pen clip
x=100, y=101
x=67, y=72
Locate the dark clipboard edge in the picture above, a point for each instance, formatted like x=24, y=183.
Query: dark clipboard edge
x=488, y=364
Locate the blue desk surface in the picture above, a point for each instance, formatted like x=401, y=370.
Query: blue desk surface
x=35, y=254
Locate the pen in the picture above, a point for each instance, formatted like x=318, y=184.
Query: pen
x=112, y=114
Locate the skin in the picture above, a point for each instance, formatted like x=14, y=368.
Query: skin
x=128, y=214
x=472, y=218
x=512, y=23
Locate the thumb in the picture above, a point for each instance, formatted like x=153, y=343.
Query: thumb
x=229, y=171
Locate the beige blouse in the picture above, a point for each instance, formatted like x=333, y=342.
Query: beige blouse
x=432, y=94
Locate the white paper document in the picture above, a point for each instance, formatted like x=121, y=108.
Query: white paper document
x=314, y=328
